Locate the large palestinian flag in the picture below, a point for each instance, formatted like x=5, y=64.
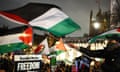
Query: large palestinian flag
x=16, y=41
x=43, y=17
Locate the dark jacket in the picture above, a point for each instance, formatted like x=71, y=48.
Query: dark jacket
x=111, y=54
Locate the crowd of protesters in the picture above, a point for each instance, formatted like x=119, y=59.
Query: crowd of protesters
x=111, y=54
x=8, y=65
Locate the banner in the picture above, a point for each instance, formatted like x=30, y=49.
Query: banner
x=27, y=63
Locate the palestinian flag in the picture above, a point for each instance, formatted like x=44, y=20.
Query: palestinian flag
x=16, y=41
x=44, y=17
x=55, y=22
x=10, y=43
x=58, y=48
x=106, y=34
x=42, y=48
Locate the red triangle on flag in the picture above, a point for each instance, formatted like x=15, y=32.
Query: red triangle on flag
x=26, y=36
x=13, y=17
x=118, y=29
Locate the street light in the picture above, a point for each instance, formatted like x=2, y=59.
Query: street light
x=96, y=25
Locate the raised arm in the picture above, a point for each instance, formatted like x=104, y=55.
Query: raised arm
x=96, y=53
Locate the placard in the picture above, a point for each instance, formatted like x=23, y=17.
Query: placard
x=27, y=63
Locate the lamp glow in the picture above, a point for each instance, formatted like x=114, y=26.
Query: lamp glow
x=96, y=25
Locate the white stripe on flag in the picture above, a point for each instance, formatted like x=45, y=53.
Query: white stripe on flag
x=46, y=49
x=13, y=38
x=114, y=31
x=49, y=19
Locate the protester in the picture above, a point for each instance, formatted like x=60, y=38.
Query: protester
x=6, y=65
x=111, y=54
x=82, y=63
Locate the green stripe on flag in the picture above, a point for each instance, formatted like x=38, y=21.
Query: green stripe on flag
x=64, y=27
x=103, y=36
x=56, y=52
x=12, y=47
